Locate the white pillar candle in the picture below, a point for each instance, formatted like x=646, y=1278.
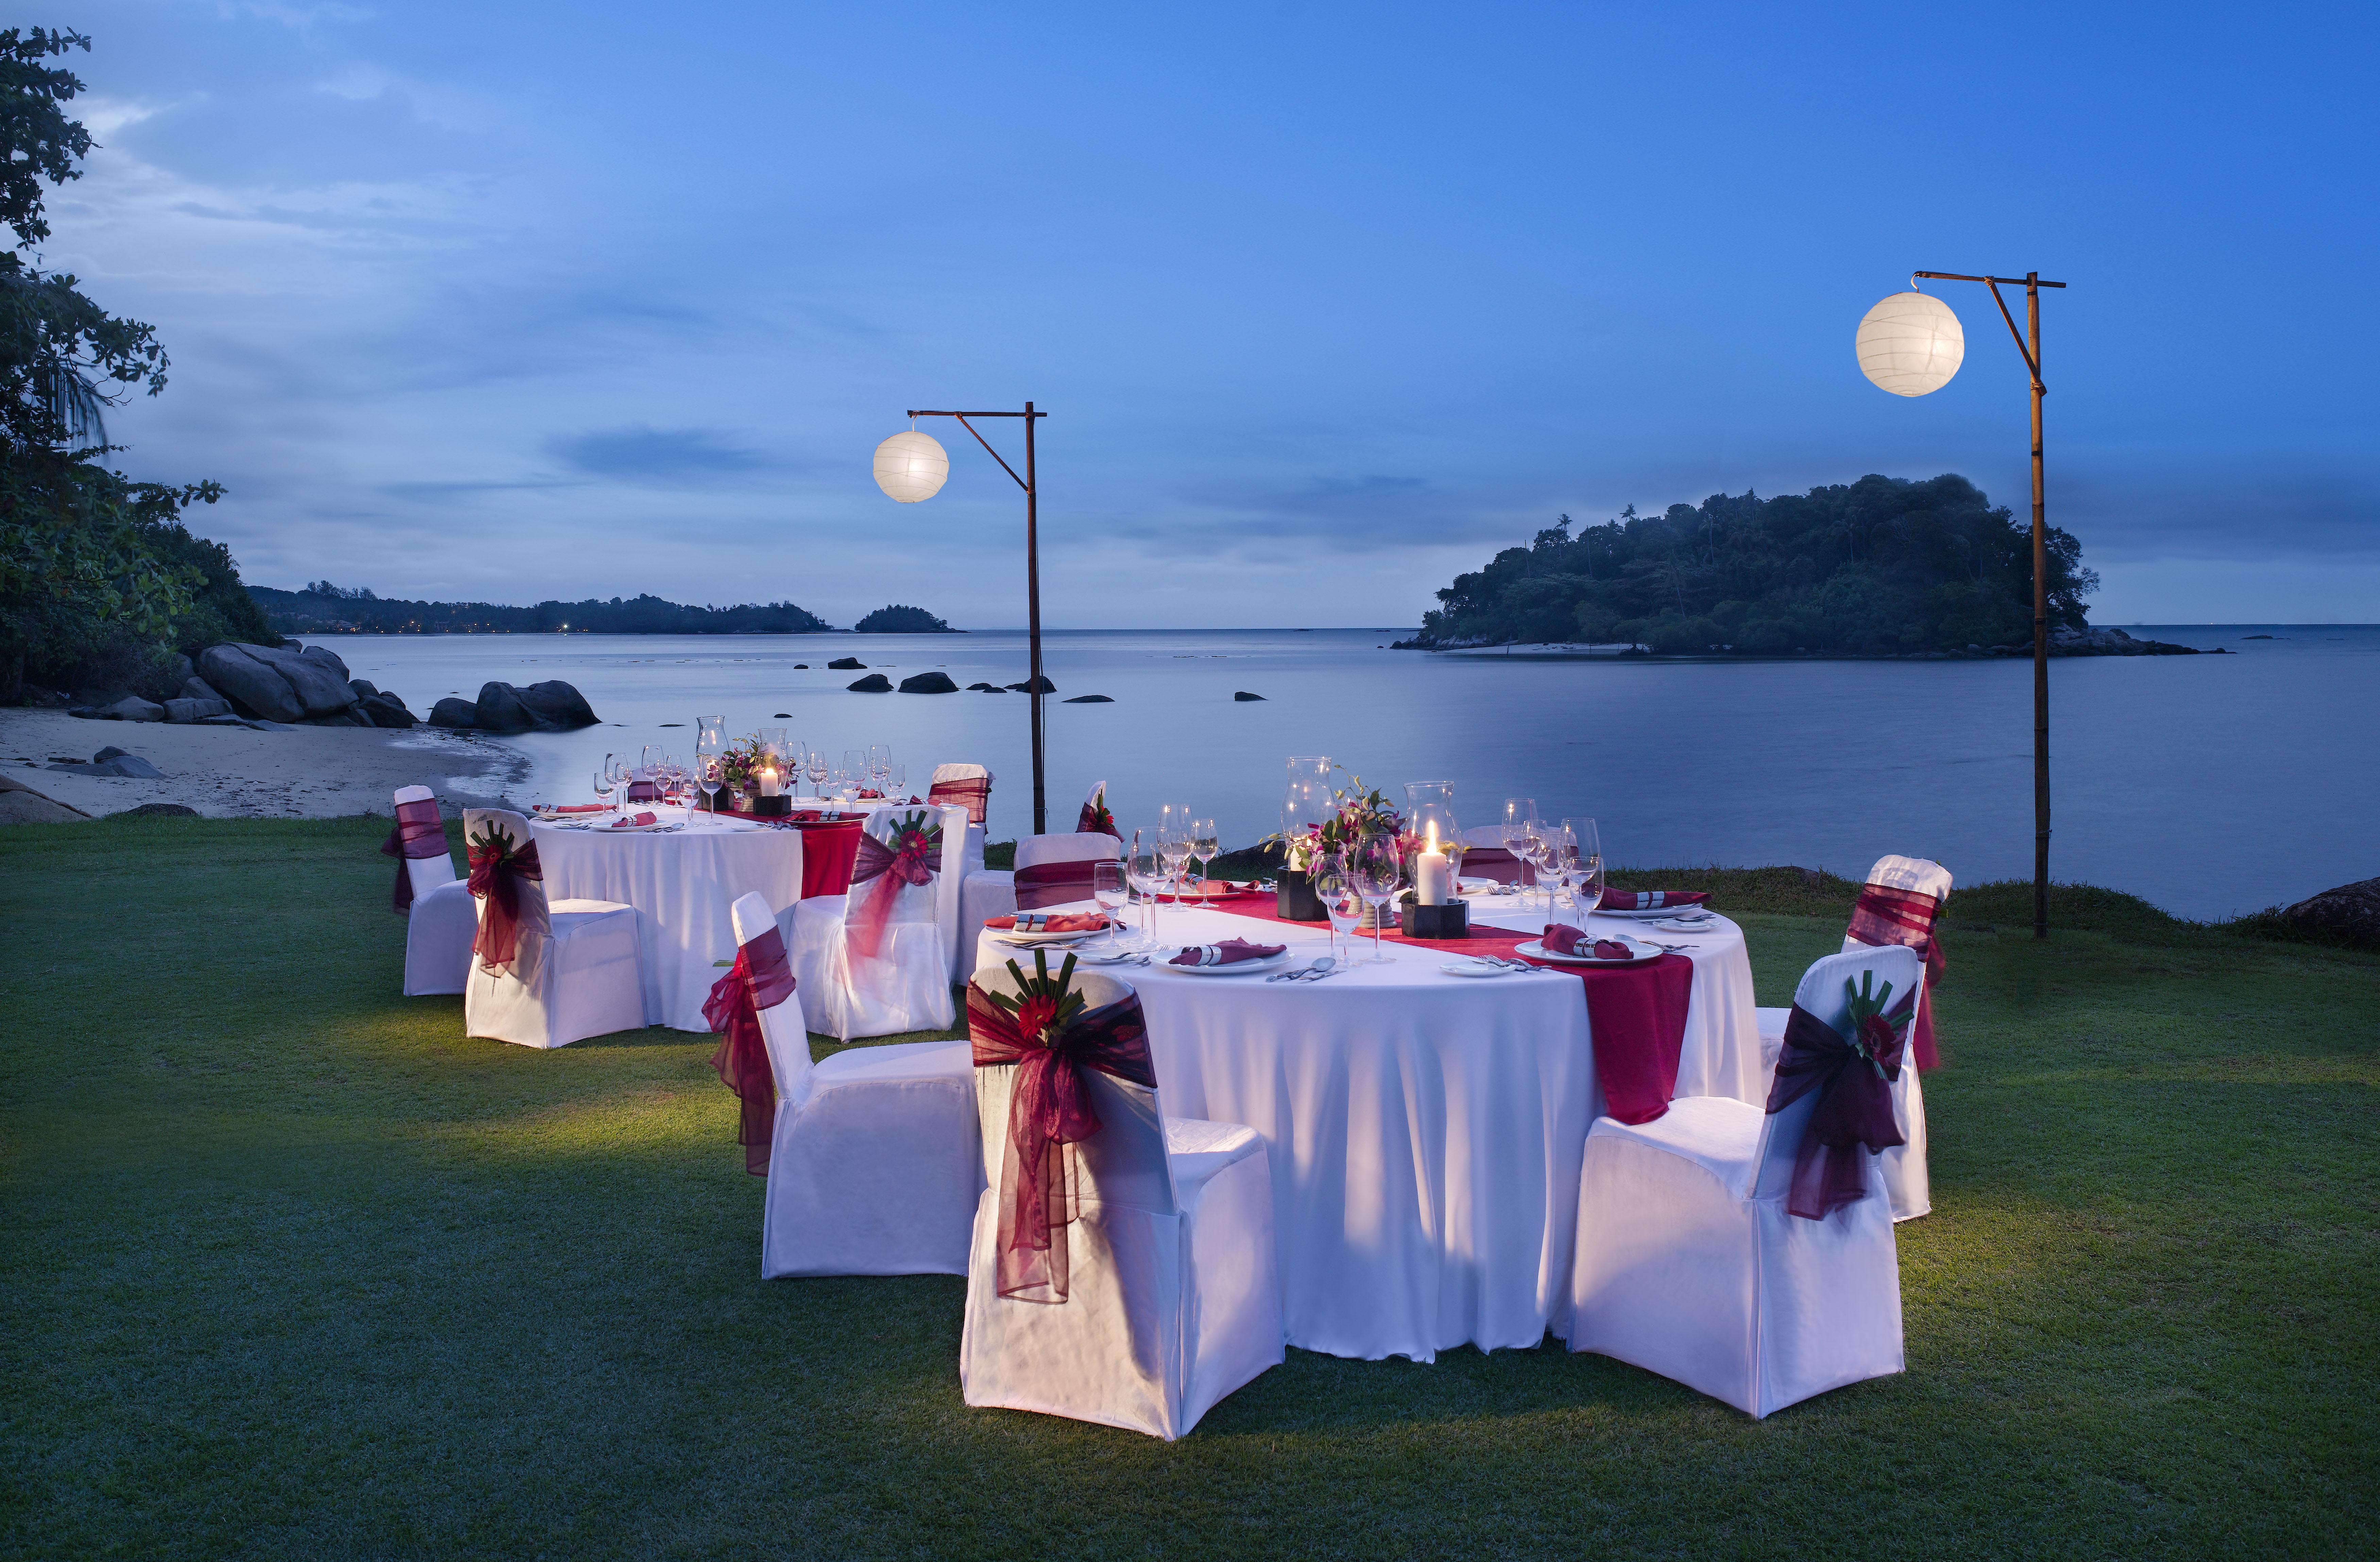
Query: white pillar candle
x=768, y=780
x=1433, y=880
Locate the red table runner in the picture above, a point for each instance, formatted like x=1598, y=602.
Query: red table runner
x=1637, y=1014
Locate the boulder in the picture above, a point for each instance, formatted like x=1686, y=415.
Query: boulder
x=363, y=686
x=132, y=707
x=198, y=688
x=500, y=708
x=801, y=667
x=455, y=712
x=1026, y=688
x=2350, y=913
x=928, y=684
x=988, y=688
x=386, y=710
x=874, y=684
x=185, y=710
x=160, y=810
x=20, y=804
x=559, y=704
x=110, y=752
x=253, y=686
x=231, y=721
x=352, y=716
x=846, y=664
x=181, y=667
x=1090, y=699
x=116, y=763
x=1244, y=695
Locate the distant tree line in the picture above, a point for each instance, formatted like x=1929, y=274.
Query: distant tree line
x=100, y=581
x=1881, y=567
x=897, y=619
x=324, y=608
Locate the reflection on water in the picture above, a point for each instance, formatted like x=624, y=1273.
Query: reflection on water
x=2211, y=785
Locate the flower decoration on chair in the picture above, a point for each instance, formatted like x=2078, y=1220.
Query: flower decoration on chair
x=1045, y=1031
x=1094, y=820
x=911, y=855
x=498, y=864
x=1357, y=812
x=1854, y=1076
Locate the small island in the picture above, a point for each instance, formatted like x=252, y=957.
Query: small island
x=324, y=608
x=899, y=620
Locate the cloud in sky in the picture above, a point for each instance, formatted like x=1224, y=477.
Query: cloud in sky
x=1319, y=317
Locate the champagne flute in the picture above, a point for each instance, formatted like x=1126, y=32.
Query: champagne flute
x=1334, y=886
x=1108, y=890
x=1376, y=868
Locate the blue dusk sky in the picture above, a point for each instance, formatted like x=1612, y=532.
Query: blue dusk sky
x=507, y=301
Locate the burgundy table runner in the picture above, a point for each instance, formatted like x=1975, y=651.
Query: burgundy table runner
x=1637, y=1014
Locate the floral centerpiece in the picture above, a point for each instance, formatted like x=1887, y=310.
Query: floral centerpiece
x=1354, y=811
x=739, y=769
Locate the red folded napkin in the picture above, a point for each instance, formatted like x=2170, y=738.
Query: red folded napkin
x=634, y=818
x=584, y=808
x=1652, y=899
x=1562, y=939
x=1231, y=951
x=866, y=792
x=1049, y=922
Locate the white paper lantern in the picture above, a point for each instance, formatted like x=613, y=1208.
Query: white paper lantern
x=1910, y=344
x=911, y=465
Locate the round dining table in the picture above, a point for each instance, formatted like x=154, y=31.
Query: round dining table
x=1426, y=1131
x=683, y=880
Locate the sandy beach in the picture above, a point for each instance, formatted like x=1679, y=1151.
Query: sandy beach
x=235, y=772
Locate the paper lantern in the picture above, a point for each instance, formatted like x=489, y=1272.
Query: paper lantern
x=1910, y=344
x=911, y=465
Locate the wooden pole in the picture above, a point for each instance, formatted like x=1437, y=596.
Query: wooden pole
x=1033, y=609
x=2040, y=628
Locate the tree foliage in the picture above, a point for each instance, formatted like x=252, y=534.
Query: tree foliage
x=324, y=608
x=98, y=577
x=897, y=619
x=1881, y=567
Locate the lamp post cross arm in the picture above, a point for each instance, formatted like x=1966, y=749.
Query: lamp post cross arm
x=970, y=428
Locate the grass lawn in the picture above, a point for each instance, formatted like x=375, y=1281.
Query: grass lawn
x=291, y=1268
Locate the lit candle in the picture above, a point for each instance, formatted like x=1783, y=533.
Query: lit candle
x=768, y=780
x=1433, y=878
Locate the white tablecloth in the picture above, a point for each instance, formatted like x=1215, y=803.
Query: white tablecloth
x=1426, y=1132
x=683, y=884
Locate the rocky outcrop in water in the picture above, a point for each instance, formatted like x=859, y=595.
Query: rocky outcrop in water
x=928, y=684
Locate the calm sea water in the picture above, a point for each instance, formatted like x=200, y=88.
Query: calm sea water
x=2211, y=785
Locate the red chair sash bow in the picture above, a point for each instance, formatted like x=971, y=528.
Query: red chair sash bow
x=761, y=978
x=1886, y=916
x=1049, y=1108
x=1051, y=884
x=1094, y=820
x=497, y=868
x=974, y=794
x=1855, y=1109
x=913, y=857
x=416, y=834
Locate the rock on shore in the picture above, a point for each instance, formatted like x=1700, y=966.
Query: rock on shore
x=551, y=707
x=2350, y=912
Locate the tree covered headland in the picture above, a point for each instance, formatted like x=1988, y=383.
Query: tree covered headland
x=1881, y=567
x=325, y=608
x=100, y=581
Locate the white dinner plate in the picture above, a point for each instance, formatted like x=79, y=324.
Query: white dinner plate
x=1237, y=968
x=1042, y=940
x=1475, y=968
x=1681, y=925
x=1655, y=914
x=633, y=829
x=1536, y=950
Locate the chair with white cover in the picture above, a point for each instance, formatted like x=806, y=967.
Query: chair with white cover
x=876, y=961
x=872, y=1157
x=1690, y=1263
x=440, y=918
x=969, y=786
x=543, y=973
x=1158, y=1292
x=1897, y=905
x=1055, y=870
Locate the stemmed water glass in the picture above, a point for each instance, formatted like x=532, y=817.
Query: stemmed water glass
x=879, y=766
x=854, y=774
x=1376, y=866
x=1334, y=886
x=1556, y=854
x=1204, y=844
x=1586, y=874
x=1145, y=871
x=604, y=781
x=898, y=775
x=1108, y=889
x=1174, y=841
x=814, y=767
x=1519, y=828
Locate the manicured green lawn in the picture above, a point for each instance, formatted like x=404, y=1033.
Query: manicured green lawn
x=291, y=1268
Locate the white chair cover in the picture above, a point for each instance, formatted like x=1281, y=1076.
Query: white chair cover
x=1175, y=1294
x=576, y=975
x=906, y=984
x=441, y=922
x=1688, y=1264
x=1906, y=1176
x=873, y=1165
x=974, y=831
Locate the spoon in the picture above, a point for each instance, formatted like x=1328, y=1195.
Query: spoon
x=1318, y=970
x=1294, y=974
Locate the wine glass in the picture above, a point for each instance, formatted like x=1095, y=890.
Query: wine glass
x=1556, y=854
x=1173, y=839
x=1204, y=844
x=1108, y=889
x=1144, y=870
x=1586, y=874
x=880, y=764
x=814, y=767
x=649, y=764
x=604, y=781
x=1376, y=866
x=1334, y=886
x=897, y=774
x=854, y=767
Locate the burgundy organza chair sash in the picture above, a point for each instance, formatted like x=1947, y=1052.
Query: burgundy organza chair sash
x=763, y=978
x=497, y=869
x=644, y=792
x=1493, y=861
x=1049, y=1108
x=913, y=857
x=1886, y=916
x=1052, y=884
x=974, y=795
x=1855, y=1109
x=416, y=834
